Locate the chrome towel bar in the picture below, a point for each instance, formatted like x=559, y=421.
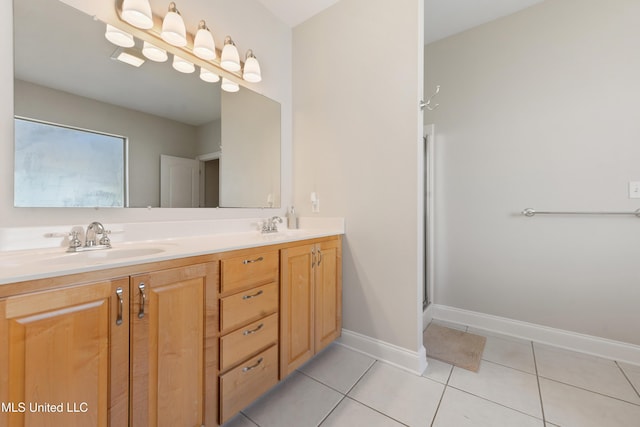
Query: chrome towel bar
x=532, y=212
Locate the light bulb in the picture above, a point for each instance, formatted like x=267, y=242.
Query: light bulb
x=203, y=44
x=251, y=72
x=154, y=53
x=229, y=86
x=230, y=59
x=137, y=13
x=182, y=65
x=209, y=76
x=119, y=37
x=173, y=29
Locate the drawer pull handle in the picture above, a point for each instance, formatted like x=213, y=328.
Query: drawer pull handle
x=143, y=300
x=253, y=331
x=251, y=261
x=319, y=256
x=254, y=366
x=257, y=294
x=120, y=306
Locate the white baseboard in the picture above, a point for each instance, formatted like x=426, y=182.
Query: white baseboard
x=602, y=347
x=412, y=361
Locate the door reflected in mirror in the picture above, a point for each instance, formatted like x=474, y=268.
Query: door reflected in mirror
x=66, y=75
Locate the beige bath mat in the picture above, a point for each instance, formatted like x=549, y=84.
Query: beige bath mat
x=455, y=347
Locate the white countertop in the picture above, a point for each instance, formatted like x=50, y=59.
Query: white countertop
x=22, y=265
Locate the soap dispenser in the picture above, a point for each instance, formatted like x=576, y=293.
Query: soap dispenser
x=292, y=219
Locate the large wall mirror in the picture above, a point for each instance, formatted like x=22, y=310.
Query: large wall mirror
x=178, y=129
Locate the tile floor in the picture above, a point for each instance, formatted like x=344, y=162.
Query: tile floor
x=519, y=384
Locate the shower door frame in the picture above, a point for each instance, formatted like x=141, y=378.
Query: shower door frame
x=428, y=202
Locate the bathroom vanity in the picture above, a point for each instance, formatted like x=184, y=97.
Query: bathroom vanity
x=181, y=332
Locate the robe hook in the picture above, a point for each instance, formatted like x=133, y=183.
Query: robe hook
x=428, y=103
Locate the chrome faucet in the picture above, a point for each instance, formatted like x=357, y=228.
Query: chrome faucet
x=90, y=237
x=92, y=230
x=271, y=224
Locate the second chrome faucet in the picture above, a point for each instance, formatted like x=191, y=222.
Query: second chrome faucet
x=270, y=225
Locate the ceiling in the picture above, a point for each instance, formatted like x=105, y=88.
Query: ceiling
x=442, y=17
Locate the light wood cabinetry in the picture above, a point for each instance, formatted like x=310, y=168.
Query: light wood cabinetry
x=185, y=342
x=64, y=356
x=248, y=327
x=310, y=301
x=328, y=293
x=113, y=353
x=173, y=321
x=243, y=307
x=245, y=383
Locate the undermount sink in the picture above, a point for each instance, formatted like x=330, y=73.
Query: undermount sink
x=103, y=255
x=284, y=234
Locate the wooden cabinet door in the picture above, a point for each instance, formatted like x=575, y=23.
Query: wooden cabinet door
x=296, y=307
x=173, y=328
x=328, y=293
x=64, y=356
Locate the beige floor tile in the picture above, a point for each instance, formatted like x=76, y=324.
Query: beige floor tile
x=298, y=401
x=350, y=413
x=633, y=374
x=509, y=387
x=569, y=406
x=408, y=398
x=338, y=367
x=437, y=370
x=460, y=409
x=585, y=371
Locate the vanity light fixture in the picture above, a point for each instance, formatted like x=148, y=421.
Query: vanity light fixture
x=229, y=86
x=194, y=50
x=153, y=52
x=203, y=44
x=251, y=72
x=182, y=65
x=137, y=13
x=209, y=76
x=230, y=59
x=119, y=37
x=173, y=29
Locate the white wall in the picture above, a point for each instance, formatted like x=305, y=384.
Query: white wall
x=251, y=26
x=250, y=152
x=540, y=110
x=208, y=138
x=357, y=126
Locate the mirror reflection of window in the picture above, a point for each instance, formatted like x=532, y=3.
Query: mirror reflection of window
x=59, y=166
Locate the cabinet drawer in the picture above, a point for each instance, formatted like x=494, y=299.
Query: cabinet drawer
x=244, y=307
x=241, y=343
x=242, y=385
x=246, y=271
